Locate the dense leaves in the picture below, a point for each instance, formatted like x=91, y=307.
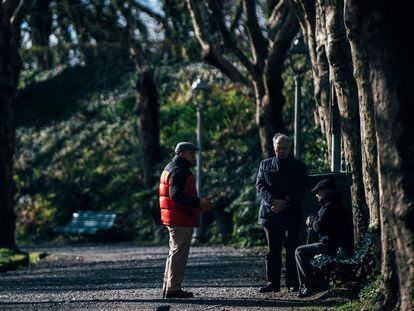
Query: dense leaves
x=79, y=150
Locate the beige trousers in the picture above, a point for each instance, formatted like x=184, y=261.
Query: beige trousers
x=180, y=240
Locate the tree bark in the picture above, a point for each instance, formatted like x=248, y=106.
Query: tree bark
x=11, y=14
x=147, y=112
x=310, y=25
x=340, y=66
x=352, y=20
x=9, y=66
x=270, y=109
x=386, y=34
x=366, y=111
x=389, y=278
x=41, y=28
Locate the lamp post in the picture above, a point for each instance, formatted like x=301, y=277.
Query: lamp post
x=199, y=86
x=298, y=48
x=298, y=114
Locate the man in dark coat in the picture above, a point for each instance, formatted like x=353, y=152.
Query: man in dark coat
x=331, y=223
x=281, y=184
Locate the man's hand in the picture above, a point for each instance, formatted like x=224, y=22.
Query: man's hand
x=205, y=204
x=278, y=206
x=308, y=222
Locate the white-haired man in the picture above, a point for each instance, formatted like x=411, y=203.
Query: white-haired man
x=281, y=185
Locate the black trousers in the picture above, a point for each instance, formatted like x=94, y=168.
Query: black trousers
x=278, y=236
x=308, y=275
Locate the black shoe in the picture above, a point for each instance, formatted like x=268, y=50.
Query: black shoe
x=293, y=289
x=269, y=288
x=306, y=292
x=324, y=285
x=178, y=294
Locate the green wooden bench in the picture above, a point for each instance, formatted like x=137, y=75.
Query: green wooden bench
x=348, y=269
x=88, y=222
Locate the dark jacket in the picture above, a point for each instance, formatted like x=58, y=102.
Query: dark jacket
x=179, y=202
x=332, y=223
x=278, y=179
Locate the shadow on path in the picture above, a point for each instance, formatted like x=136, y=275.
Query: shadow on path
x=130, y=278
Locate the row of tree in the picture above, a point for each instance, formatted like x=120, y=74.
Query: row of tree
x=362, y=49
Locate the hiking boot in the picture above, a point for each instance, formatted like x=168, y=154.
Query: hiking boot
x=178, y=294
x=269, y=288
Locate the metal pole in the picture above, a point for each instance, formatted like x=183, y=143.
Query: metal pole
x=202, y=86
x=199, y=143
x=298, y=112
x=199, y=232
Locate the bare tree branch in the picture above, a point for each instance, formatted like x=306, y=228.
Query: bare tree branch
x=208, y=52
x=228, y=38
x=150, y=12
x=276, y=20
x=7, y=8
x=18, y=11
x=276, y=11
x=281, y=43
x=237, y=16
x=258, y=42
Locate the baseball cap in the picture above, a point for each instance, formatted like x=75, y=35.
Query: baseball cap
x=185, y=146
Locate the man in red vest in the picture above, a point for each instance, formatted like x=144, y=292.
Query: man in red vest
x=180, y=212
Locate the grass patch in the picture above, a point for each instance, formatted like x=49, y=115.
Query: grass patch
x=10, y=261
x=367, y=299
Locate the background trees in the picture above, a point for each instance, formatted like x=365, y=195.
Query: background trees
x=248, y=43
x=358, y=37
x=79, y=88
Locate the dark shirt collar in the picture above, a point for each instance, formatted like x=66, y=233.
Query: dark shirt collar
x=181, y=161
x=279, y=163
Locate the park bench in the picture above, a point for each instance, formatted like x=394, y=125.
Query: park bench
x=343, y=267
x=88, y=222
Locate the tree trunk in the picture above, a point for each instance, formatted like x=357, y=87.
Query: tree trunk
x=352, y=20
x=147, y=112
x=9, y=74
x=305, y=10
x=389, y=279
x=386, y=34
x=269, y=118
x=41, y=28
x=340, y=65
x=7, y=190
x=366, y=111
x=269, y=109
x=395, y=171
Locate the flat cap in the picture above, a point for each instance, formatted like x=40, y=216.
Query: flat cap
x=325, y=184
x=185, y=146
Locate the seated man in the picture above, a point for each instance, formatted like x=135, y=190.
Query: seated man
x=332, y=225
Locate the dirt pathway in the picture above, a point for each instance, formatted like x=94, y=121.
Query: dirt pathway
x=129, y=277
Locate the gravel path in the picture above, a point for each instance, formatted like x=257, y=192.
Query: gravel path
x=129, y=277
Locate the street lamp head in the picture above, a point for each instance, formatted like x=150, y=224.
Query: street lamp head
x=298, y=46
x=200, y=85
x=298, y=56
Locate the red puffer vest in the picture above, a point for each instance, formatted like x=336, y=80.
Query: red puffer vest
x=174, y=214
